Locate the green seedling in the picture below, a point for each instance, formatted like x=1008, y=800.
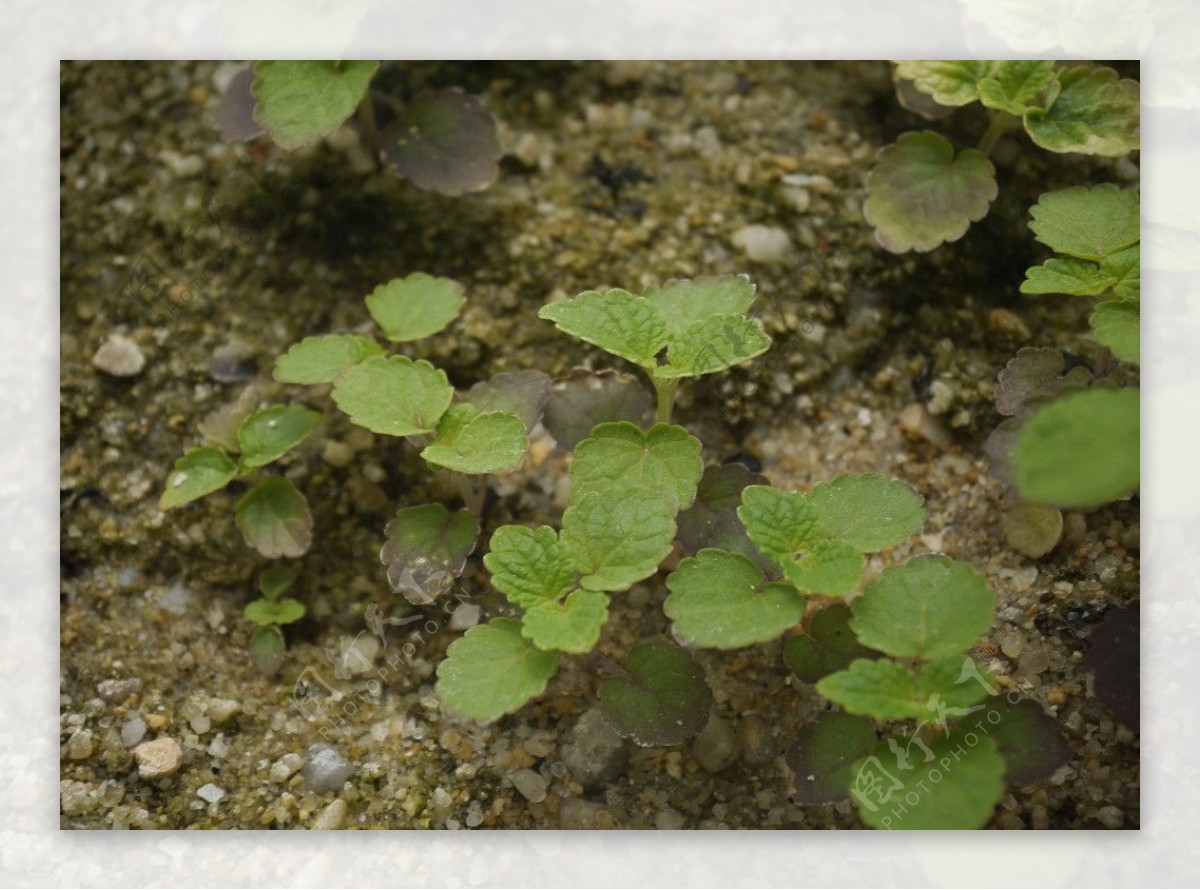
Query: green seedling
x=270, y=612
x=441, y=140
x=471, y=435
x=908, y=660
x=273, y=516
x=922, y=193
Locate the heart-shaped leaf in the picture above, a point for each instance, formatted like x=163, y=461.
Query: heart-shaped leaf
x=666, y=459
x=617, y=538
x=529, y=566
x=199, y=472
x=416, y=306
x=661, y=699
x=919, y=195
x=301, y=101
x=1036, y=375
x=1067, y=275
x=426, y=549
x=721, y=600
x=1117, y=325
x=822, y=761
x=714, y=344
x=949, y=82
x=394, y=396
x=492, y=670
x=1088, y=222
x=1029, y=740
x=572, y=625
x=321, y=359
x=868, y=512
x=1082, y=450
x=274, y=581
x=931, y=607
x=470, y=442
x=274, y=519
x=268, y=434
x=1017, y=84
x=684, y=303
x=618, y=322
x=887, y=690
x=444, y=141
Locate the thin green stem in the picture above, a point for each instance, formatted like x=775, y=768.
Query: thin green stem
x=370, y=131
x=1000, y=124
x=665, y=389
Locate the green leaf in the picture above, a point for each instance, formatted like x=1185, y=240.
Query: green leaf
x=583, y=399
x=950, y=82
x=663, y=698
x=1029, y=740
x=721, y=600
x=829, y=647
x=570, y=626
x=957, y=787
x=828, y=567
x=887, y=690
x=714, y=344
x=199, y=472
x=1067, y=275
x=274, y=519
x=492, y=670
x=683, y=303
x=444, y=141
x=1089, y=222
x=780, y=523
x=869, y=512
x=416, y=306
x=266, y=612
x=1095, y=113
x=523, y=393
x=1117, y=325
x=1016, y=85
x=1032, y=530
x=666, y=460
x=266, y=649
x=616, y=321
x=919, y=195
x=394, y=396
x=1125, y=266
x=301, y=101
x=268, y=434
x=320, y=359
x=470, y=442
x=617, y=538
x=712, y=520
x=822, y=761
x=1034, y=375
x=1082, y=450
x=529, y=566
x=275, y=581
x=426, y=549
x=931, y=607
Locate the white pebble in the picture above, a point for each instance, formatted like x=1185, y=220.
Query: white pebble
x=764, y=244
x=120, y=357
x=210, y=793
x=531, y=786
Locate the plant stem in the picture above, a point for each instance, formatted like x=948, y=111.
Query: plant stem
x=366, y=119
x=1000, y=124
x=472, y=490
x=665, y=389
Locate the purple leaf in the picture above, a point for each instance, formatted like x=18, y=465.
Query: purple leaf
x=234, y=115
x=523, y=393
x=1114, y=660
x=444, y=141
x=583, y=399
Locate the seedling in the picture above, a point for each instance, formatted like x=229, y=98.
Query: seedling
x=270, y=612
x=441, y=140
x=471, y=435
x=921, y=194
x=1096, y=232
x=951, y=770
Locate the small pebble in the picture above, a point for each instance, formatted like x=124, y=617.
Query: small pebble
x=668, y=820
x=210, y=793
x=337, y=454
x=764, y=244
x=474, y=815
x=233, y=362
x=120, y=357
x=717, y=745
x=1033, y=660
x=332, y=817
x=81, y=745
x=133, y=731
x=116, y=691
x=466, y=616
x=596, y=755
x=1110, y=817
x=159, y=758
x=758, y=748
x=916, y=421
x=1012, y=644
x=222, y=710
x=285, y=767
x=325, y=769
x=1032, y=530
x=531, y=785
